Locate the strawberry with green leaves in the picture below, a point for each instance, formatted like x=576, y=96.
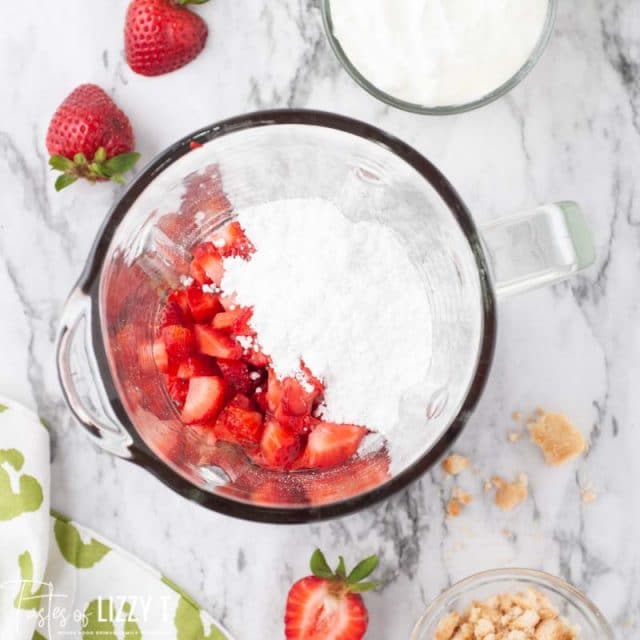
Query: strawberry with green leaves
x=90, y=137
x=327, y=605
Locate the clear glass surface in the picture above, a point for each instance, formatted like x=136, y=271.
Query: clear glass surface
x=426, y=109
x=203, y=190
x=571, y=603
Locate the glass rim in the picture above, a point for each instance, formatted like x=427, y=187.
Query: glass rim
x=526, y=576
x=442, y=110
x=90, y=283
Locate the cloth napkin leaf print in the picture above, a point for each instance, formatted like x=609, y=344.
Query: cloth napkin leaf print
x=3, y=407
x=189, y=623
x=81, y=555
x=28, y=597
x=18, y=493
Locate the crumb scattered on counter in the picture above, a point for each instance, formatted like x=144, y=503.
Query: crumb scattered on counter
x=516, y=416
x=510, y=494
x=455, y=464
x=518, y=616
x=514, y=436
x=459, y=499
x=558, y=439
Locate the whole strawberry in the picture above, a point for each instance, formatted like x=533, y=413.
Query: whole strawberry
x=162, y=35
x=328, y=604
x=90, y=137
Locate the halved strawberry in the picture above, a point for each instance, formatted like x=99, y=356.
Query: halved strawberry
x=328, y=604
x=279, y=446
x=177, y=389
x=205, y=399
x=330, y=444
x=179, y=341
x=236, y=374
x=231, y=240
x=239, y=425
x=203, y=306
x=216, y=343
x=197, y=366
x=206, y=266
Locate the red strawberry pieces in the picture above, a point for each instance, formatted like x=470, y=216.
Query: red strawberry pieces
x=232, y=241
x=90, y=137
x=330, y=445
x=328, y=604
x=219, y=378
x=162, y=35
x=205, y=399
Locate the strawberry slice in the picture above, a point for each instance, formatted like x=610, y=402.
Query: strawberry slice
x=205, y=399
x=328, y=604
x=236, y=375
x=216, y=343
x=231, y=240
x=206, y=267
x=330, y=444
x=179, y=341
x=203, y=306
x=197, y=366
x=279, y=446
x=239, y=425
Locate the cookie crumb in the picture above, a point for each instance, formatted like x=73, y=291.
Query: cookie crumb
x=461, y=496
x=454, y=508
x=540, y=411
x=558, y=439
x=514, y=436
x=588, y=495
x=516, y=416
x=506, y=616
x=455, y=464
x=510, y=494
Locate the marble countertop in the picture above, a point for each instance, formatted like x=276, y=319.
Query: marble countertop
x=570, y=131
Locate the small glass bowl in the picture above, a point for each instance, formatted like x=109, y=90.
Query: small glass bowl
x=441, y=110
x=571, y=603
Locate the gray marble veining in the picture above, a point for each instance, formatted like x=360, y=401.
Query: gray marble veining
x=571, y=130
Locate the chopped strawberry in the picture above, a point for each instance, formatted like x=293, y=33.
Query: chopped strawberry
x=330, y=444
x=216, y=343
x=235, y=320
x=257, y=358
x=207, y=266
x=328, y=604
x=232, y=241
x=279, y=446
x=179, y=297
x=203, y=306
x=179, y=341
x=170, y=314
x=241, y=401
x=205, y=399
x=229, y=302
x=160, y=356
x=177, y=389
x=197, y=366
x=298, y=397
x=239, y=425
x=236, y=374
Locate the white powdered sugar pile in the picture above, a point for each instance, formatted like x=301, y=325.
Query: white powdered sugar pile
x=342, y=296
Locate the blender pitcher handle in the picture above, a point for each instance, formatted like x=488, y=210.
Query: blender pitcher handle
x=104, y=430
x=537, y=248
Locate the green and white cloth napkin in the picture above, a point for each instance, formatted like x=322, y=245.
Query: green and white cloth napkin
x=59, y=580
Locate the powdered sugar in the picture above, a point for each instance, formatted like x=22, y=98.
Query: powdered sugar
x=342, y=296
